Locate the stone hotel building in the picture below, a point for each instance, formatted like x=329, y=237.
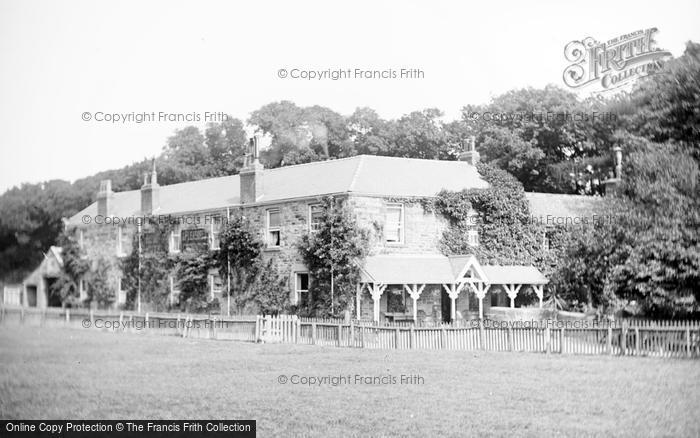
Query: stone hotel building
x=405, y=276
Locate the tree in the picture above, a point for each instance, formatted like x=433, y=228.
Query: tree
x=333, y=253
x=67, y=286
x=646, y=250
x=420, y=134
x=529, y=131
x=664, y=107
x=239, y=257
x=226, y=144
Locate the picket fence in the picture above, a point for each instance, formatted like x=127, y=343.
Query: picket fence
x=668, y=339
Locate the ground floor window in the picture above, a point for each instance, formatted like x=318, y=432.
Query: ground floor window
x=301, y=288
x=121, y=293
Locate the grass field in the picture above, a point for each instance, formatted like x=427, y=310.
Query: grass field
x=82, y=374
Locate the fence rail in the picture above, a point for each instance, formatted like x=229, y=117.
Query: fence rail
x=676, y=339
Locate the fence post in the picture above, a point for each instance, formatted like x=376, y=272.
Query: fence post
x=609, y=339
x=297, y=329
x=352, y=334
x=548, y=339
x=257, y=328
x=362, y=335
x=623, y=341
x=313, y=333
x=340, y=333
x=689, y=351
x=637, y=343
x=562, y=340
x=482, y=344
x=67, y=316
x=396, y=338
x=413, y=336
x=21, y=315
x=510, y=337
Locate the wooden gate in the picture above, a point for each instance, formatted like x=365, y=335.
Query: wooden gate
x=278, y=329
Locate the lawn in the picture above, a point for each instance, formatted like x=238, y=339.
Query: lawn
x=85, y=374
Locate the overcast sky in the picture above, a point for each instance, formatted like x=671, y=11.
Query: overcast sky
x=61, y=59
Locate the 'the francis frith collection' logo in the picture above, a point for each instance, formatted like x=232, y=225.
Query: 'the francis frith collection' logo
x=614, y=63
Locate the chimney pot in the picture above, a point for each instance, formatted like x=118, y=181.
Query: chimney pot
x=104, y=198
x=251, y=176
x=471, y=156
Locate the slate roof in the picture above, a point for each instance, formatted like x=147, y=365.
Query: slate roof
x=440, y=269
x=362, y=174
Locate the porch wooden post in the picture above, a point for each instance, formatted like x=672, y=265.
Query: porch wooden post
x=376, y=293
x=480, y=289
x=512, y=291
x=540, y=293
x=358, y=301
x=414, y=292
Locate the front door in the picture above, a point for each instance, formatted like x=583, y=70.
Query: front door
x=31, y=296
x=446, y=305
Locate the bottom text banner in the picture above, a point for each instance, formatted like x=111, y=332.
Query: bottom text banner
x=127, y=428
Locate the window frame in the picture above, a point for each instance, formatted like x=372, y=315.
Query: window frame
x=171, y=247
x=297, y=285
x=120, y=243
x=401, y=223
x=269, y=230
x=473, y=237
x=311, y=222
x=120, y=291
x=214, y=244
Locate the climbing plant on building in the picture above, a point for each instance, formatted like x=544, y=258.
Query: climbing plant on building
x=333, y=254
x=507, y=233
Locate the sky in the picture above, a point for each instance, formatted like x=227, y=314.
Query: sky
x=62, y=60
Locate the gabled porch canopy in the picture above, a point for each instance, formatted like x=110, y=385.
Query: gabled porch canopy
x=452, y=272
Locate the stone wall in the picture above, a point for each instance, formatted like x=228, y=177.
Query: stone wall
x=422, y=232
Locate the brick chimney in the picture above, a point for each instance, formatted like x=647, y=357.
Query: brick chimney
x=252, y=174
x=105, y=197
x=150, y=192
x=612, y=184
x=471, y=156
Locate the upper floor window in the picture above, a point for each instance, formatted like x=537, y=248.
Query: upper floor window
x=547, y=240
x=315, y=212
x=175, y=240
x=214, y=237
x=274, y=234
x=122, y=241
x=473, y=237
x=394, y=226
